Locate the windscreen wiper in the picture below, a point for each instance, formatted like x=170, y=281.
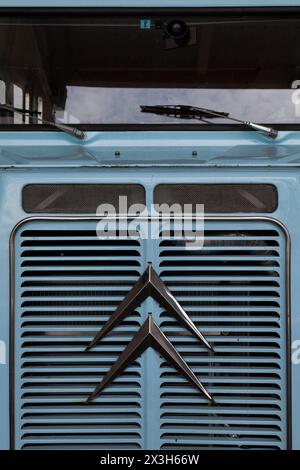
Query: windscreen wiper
x=73, y=131
x=191, y=112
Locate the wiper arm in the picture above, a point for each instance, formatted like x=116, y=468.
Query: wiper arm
x=73, y=131
x=191, y=112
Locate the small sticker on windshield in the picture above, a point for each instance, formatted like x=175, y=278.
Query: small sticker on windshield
x=145, y=24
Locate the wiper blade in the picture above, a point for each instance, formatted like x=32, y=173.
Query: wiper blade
x=192, y=112
x=73, y=131
x=183, y=112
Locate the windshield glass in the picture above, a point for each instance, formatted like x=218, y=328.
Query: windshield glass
x=99, y=70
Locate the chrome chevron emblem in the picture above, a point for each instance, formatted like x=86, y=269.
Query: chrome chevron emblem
x=149, y=285
x=149, y=335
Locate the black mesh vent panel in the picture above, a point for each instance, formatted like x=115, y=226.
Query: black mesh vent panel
x=220, y=198
x=78, y=198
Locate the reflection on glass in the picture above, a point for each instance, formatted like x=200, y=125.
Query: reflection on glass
x=99, y=70
x=101, y=105
x=18, y=103
x=2, y=91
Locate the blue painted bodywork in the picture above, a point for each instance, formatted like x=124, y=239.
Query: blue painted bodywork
x=148, y=158
x=148, y=3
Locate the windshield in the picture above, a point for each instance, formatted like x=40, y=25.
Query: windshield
x=98, y=70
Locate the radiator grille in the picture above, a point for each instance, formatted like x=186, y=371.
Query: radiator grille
x=68, y=283
x=233, y=289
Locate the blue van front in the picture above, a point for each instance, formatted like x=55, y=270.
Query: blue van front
x=87, y=69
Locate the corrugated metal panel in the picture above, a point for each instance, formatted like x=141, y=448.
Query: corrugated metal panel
x=68, y=282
